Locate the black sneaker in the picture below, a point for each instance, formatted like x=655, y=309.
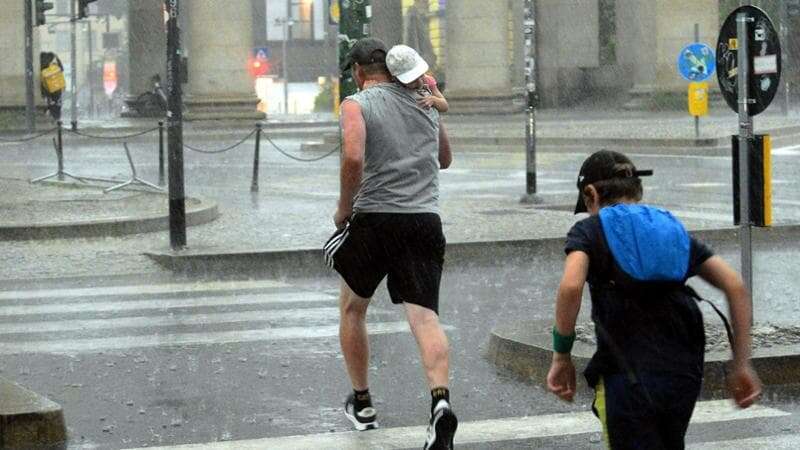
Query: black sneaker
x=364, y=419
x=442, y=428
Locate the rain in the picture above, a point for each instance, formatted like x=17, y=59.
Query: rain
x=170, y=173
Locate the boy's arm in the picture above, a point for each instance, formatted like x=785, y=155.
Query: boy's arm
x=561, y=377
x=743, y=382
x=354, y=138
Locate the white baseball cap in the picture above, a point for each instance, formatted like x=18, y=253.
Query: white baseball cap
x=405, y=64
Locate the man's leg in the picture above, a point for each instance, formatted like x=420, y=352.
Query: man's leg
x=434, y=352
x=353, y=336
x=432, y=342
x=355, y=347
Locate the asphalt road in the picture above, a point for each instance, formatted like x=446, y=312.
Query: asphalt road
x=157, y=361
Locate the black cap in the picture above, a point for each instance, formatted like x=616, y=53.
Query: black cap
x=604, y=165
x=365, y=51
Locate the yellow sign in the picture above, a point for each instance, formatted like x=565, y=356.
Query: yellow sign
x=335, y=12
x=698, y=98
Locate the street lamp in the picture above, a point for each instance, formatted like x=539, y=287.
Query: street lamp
x=286, y=22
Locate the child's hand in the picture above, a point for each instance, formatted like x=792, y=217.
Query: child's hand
x=744, y=385
x=426, y=102
x=561, y=377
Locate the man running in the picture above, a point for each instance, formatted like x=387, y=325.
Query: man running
x=388, y=225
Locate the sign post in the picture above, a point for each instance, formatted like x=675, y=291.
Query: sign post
x=749, y=60
x=696, y=64
x=177, y=196
x=531, y=96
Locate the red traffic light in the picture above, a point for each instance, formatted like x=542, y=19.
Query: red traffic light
x=258, y=67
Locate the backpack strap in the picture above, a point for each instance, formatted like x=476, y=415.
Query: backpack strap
x=692, y=293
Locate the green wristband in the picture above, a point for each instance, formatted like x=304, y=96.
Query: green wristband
x=561, y=343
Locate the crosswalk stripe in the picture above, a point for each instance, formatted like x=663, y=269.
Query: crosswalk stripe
x=310, y=317
x=777, y=442
x=75, y=346
x=161, y=304
x=494, y=430
x=206, y=286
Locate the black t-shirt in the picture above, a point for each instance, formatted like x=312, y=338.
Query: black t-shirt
x=660, y=332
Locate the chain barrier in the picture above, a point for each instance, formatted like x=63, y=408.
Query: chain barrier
x=127, y=136
x=29, y=138
x=222, y=150
x=286, y=154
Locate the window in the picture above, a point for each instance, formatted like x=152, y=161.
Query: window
x=308, y=17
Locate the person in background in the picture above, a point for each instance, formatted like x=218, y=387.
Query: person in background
x=51, y=75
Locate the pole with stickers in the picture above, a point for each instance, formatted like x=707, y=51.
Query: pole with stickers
x=749, y=70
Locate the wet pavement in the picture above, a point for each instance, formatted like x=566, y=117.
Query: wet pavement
x=140, y=357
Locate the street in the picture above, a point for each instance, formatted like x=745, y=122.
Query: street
x=159, y=361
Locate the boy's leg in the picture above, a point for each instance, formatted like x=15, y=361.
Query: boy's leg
x=353, y=336
x=679, y=401
x=629, y=421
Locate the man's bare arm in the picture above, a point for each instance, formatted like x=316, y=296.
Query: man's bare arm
x=445, y=154
x=354, y=138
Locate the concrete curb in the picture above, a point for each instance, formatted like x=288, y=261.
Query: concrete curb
x=525, y=349
x=29, y=420
x=205, y=212
x=301, y=262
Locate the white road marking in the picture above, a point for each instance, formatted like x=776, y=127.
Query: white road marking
x=793, y=150
x=513, y=428
x=309, y=316
x=704, y=185
x=778, y=442
x=206, y=286
x=163, y=304
x=75, y=346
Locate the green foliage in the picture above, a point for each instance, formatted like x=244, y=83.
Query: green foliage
x=323, y=102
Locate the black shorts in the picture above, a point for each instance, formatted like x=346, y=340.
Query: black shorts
x=408, y=249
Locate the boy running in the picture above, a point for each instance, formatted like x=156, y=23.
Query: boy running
x=648, y=367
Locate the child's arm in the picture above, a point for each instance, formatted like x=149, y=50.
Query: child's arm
x=743, y=382
x=561, y=377
x=440, y=103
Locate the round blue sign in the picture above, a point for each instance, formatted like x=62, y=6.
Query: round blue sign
x=696, y=62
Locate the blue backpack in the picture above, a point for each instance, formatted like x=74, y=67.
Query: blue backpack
x=650, y=250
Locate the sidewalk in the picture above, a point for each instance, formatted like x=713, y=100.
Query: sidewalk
x=296, y=215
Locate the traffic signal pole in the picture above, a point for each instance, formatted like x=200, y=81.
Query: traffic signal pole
x=29, y=100
x=73, y=75
x=177, y=196
x=745, y=138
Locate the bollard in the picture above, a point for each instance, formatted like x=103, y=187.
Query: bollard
x=161, y=153
x=60, y=151
x=254, y=184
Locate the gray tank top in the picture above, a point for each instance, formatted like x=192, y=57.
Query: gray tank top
x=401, y=161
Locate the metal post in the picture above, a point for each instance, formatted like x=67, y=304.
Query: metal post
x=287, y=22
x=60, y=150
x=697, y=118
x=177, y=196
x=745, y=138
x=529, y=31
x=784, y=31
x=256, y=158
x=161, y=153
x=73, y=66
x=29, y=100
x=90, y=72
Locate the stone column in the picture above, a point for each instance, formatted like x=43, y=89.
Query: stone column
x=147, y=43
x=649, y=37
x=478, y=55
x=220, y=42
x=12, y=47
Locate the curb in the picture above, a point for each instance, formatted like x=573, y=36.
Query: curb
x=309, y=262
x=205, y=212
x=525, y=349
x=29, y=420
